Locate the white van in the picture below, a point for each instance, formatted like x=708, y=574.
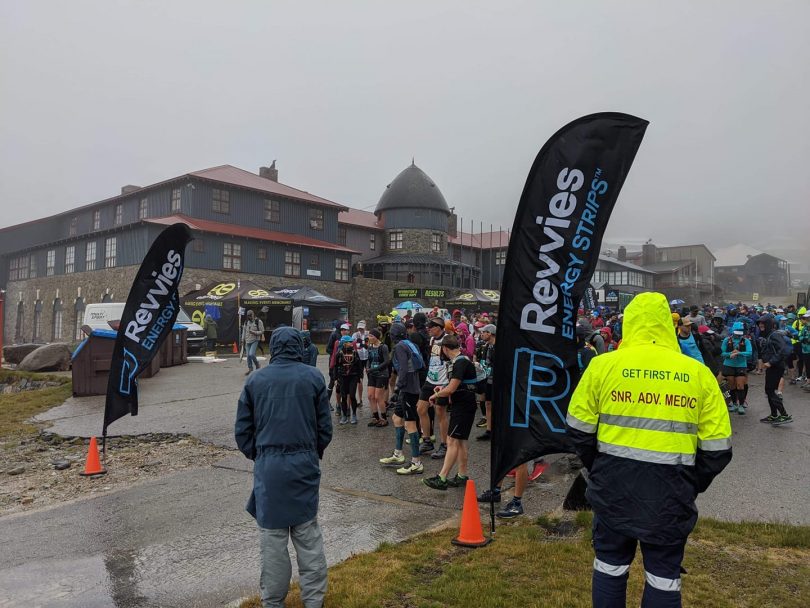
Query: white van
x=101, y=316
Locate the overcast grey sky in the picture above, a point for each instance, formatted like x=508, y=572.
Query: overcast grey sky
x=100, y=94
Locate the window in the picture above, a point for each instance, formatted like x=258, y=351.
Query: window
x=198, y=246
x=342, y=235
x=500, y=258
x=33, y=272
x=395, y=239
x=50, y=264
x=436, y=242
x=74, y=226
x=37, y=336
x=119, y=214
x=90, y=256
x=316, y=218
x=176, y=204
x=97, y=219
x=232, y=256
x=272, y=211
x=261, y=253
x=56, y=326
x=220, y=201
x=341, y=269
x=292, y=264
x=315, y=261
x=18, y=268
x=109, y=252
x=78, y=319
x=143, y=209
x=70, y=259
x=19, y=326
x=372, y=242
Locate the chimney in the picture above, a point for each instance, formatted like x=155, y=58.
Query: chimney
x=270, y=172
x=622, y=253
x=452, y=223
x=129, y=189
x=647, y=254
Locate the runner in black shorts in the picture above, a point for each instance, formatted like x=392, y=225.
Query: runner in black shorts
x=461, y=391
x=377, y=374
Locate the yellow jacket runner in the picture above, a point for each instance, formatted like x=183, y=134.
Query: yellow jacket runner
x=651, y=426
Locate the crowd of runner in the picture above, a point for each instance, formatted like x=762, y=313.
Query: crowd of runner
x=428, y=376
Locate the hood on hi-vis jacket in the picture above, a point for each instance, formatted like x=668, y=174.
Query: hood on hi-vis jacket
x=647, y=320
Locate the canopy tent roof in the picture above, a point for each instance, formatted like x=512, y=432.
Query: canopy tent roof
x=301, y=294
x=249, y=294
x=476, y=296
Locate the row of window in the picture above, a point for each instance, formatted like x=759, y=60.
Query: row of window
x=396, y=242
x=624, y=277
x=118, y=219
x=25, y=266
x=232, y=260
x=58, y=330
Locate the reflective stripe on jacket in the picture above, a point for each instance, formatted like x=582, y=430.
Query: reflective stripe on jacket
x=652, y=427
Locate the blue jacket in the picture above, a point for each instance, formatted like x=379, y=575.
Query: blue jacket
x=283, y=425
x=690, y=348
x=741, y=344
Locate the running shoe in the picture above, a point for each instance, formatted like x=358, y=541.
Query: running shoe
x=769, y=419
x=425, y=447
x=344, y=420
x=393, y=459
x=780, y=420
x=354, y=419
x=512, y=509
x=374, y=422
x=732, y=407
x=382, y=422
x=485, y=436
x=459, y=481
x=539, y=468
x=482, y=424
x=411, y=469
x=741, y=410
x=490, y=496
x=440, y=453
x=436, y=482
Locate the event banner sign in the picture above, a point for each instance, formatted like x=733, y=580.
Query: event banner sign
x=148, y=317
x=561, y=218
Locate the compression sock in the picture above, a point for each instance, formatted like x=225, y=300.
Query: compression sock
x=744, y=393
x=414, y=437
x=400, y=435
x=733, y=393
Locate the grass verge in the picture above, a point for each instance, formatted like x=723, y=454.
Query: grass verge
x=16, y=408
x=548, y=563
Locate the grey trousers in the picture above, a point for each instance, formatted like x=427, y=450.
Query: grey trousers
x=277, y=570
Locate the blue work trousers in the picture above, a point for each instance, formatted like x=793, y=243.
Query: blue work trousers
x=614, y=554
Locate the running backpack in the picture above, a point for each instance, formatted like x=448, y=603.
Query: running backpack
x=416, y=357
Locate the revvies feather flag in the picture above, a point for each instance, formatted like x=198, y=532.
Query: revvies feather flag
x=563, y=211
x=149, y=315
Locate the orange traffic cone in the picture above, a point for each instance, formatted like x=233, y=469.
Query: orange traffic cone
x=235, y=349
x=471, y=533
x=93, y=464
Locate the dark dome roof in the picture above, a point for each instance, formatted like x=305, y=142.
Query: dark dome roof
x=412, y=189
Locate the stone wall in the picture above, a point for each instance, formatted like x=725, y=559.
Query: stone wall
x=417, y=240
x=371, y=297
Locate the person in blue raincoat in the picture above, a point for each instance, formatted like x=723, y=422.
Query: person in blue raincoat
x=283, y=425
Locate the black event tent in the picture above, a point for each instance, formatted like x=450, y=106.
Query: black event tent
x=222, y=301
x=313, y=310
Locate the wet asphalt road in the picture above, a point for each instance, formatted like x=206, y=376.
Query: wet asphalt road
x=185, y=539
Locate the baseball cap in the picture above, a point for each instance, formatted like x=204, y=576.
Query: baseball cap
x=361, y=325
x=345, y=326
x=806, y=315
x=489, y=328
x=345, y=340
x=705, y=329
x=456, y=312
x=437, y=321
x=738, y=328
x=685, y=321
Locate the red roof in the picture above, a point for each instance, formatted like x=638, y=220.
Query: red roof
x=228, y=174
x=248, y=232
x=482, y=240
x=356, y=217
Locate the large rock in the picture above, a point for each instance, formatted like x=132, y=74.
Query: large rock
x=49, y=358
x=17, y=352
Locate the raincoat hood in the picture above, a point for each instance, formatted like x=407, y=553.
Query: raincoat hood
x=767, y=324
x=647, y=320
x=286, y=344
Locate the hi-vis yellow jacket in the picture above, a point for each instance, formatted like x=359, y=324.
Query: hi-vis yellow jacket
x=652, y=427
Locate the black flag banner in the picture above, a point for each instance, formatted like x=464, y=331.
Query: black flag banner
x=148, y=317
x=563, y=211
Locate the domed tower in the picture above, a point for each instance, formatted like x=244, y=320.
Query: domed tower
x=414, y=213
x=417, y=223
